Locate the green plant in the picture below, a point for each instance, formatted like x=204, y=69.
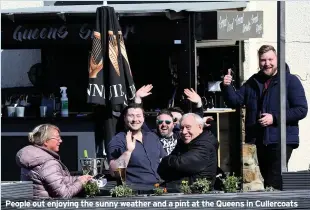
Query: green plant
x=231, y=183
x=159, y=190
x=185, y=188
x=121, y=191
x=201, y=186
x=91, y=189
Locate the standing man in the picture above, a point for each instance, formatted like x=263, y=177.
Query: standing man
x=261, y=97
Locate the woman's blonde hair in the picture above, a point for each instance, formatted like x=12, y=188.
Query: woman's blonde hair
x=41, y=133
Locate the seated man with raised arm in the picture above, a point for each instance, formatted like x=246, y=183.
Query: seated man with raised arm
x=193, y=157
x=140, y=150
x=167, y=125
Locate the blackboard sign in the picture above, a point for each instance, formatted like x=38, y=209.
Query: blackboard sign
x=239, y=25
x=229, y=25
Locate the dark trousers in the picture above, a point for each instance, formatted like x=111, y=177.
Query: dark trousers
x=269, y=162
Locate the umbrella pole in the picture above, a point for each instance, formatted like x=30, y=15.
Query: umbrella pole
x=282, y=72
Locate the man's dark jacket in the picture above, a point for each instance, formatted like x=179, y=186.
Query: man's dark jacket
x=250, y=95
x=197, y=159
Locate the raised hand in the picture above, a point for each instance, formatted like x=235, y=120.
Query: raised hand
x=144, y=91
x=228, y=78
x=192, y=95
x=131, y=141
x=207, y=119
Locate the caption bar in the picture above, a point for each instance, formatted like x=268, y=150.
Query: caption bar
x=62, y=204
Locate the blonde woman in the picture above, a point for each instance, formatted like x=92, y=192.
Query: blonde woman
x=41, y=164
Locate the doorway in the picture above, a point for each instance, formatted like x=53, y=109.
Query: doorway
x=213, y=59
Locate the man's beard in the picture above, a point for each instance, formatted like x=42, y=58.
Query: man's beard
x=164, y=135
x=272, y=73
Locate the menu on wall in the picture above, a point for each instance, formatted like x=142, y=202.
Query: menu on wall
x=239, y=25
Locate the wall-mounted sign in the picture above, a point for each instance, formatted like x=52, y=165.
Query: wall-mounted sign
x=24, y=35
x=61, y=32
x=229, y=25
x=239, y=25
x=36, y=35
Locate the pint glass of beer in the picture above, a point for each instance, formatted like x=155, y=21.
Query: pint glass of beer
x=120, y=172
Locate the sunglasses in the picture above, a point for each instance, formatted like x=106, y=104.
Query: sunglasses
x=159, y=122
x=175, y=119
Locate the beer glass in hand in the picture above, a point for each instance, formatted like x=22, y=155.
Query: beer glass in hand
x=120, y=172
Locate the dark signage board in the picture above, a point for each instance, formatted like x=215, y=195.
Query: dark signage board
x=36, y=34
x=39, y=35
x=229, y=25
x=237, y=25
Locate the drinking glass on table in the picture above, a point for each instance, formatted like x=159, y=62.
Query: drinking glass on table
x=120, y=172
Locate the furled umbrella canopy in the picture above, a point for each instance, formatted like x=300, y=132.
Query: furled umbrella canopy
x=111, y=83
x=110, y=78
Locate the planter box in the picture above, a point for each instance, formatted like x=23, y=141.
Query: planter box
x=299, y=180
x=16, y=190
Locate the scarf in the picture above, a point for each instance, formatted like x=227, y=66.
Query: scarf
x=169, y=143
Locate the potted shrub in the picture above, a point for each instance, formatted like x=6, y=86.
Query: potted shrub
x=91, y=189
x=121, y=191
x=159, y=190
x=201, y=186
x=231, y=184
x=185, y=188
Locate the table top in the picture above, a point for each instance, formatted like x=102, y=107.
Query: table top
x=219, y=110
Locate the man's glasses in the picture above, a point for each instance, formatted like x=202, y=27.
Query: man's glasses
x=159, y=122
x=175, y=119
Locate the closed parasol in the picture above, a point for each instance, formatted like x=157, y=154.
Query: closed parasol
x=110, y=79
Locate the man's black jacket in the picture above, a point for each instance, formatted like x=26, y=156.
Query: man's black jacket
x=198, y=159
